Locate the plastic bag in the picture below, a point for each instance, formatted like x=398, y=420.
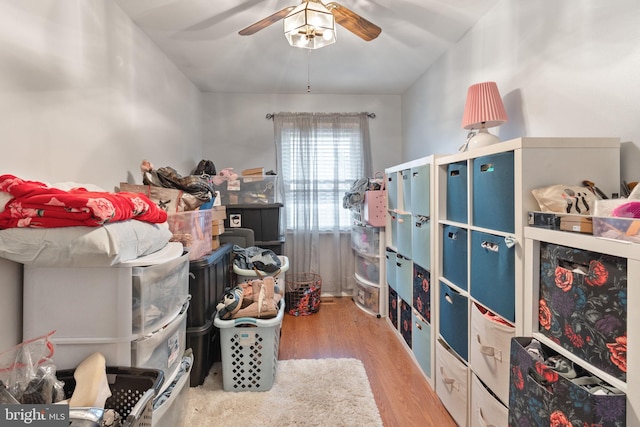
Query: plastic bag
x=28, y=374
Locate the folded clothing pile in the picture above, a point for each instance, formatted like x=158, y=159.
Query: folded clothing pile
x=255, y=298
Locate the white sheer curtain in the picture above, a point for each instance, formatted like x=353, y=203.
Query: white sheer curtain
x=319, y=157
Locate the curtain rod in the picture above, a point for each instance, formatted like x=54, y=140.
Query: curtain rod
x=270, y=116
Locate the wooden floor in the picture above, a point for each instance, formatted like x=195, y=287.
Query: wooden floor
x=340, y=329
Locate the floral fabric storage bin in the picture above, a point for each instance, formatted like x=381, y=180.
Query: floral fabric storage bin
x=422, y=291
x=541, y=396
x=583, y=305
x=405, y=322
x=393, y=307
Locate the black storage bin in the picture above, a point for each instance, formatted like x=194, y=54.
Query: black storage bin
x=201, y=340
x=264, y=220
x=207, y=280
x=276, y=246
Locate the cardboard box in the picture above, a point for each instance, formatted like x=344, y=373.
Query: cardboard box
x=217, y=227
x=215, y=242
x=218, y=213
x=253, y=171
x=576, y=223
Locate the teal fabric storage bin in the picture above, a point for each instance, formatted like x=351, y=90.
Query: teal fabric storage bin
x=493, y=190
x=493, y=273
x=392, y=191
x=404, y=277
x=421, y=240
x=457, y=192
x=421, y=336
x=405, y=176
x=391, y=268
x=420, y=190
x=454, y=255
x=393, y=221
x=454, y=316
x=403, y=243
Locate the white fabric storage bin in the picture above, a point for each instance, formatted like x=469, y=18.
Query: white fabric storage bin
x=451, y=383
x=164, y=348
x=486, y=409
x=489, y=352
x=108, y=304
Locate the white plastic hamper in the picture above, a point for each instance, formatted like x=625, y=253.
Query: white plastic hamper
x=249, y=350
x=244, y=275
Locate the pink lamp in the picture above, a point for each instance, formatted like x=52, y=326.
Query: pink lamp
x=483, y=110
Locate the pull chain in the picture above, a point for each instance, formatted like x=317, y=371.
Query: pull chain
x=308, y=71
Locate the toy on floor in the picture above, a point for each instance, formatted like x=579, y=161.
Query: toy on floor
x=255, y=298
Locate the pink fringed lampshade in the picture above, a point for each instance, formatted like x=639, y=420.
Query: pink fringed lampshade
x=484, y=108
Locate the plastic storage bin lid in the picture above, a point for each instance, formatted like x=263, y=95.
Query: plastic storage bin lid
x=170, y=252
x=284, y=266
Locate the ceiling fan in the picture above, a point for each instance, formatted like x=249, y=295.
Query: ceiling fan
x=353, y=22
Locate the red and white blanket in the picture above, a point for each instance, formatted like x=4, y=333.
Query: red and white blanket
x=34, y=204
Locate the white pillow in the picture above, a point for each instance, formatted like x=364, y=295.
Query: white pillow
x=102, y=246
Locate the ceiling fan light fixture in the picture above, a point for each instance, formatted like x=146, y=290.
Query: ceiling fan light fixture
x=310, y=25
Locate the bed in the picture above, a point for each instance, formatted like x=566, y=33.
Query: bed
x=69, y=226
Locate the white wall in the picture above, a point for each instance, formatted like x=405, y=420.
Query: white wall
x=85, y=96
x=567, y=68
x=237, y=134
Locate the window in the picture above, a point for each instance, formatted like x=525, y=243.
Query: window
x=320, y=160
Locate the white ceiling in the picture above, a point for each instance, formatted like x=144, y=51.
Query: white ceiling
x=201, y=38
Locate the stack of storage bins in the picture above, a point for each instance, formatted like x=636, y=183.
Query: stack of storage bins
x=368, y=292
x=208, y=278
x=135, y=314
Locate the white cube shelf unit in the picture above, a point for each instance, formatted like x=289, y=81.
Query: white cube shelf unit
x=482, y=205
x=409, y=255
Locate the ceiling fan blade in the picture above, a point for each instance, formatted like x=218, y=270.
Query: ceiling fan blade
x=353, y=22
x=264, y=23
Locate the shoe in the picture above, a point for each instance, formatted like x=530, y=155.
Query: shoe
x=561, y=365
x=535, y=350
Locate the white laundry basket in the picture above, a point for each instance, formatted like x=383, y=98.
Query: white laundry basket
x=249, y=349
x=244, y=275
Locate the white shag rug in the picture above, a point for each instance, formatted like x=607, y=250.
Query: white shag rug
x=306, y=392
